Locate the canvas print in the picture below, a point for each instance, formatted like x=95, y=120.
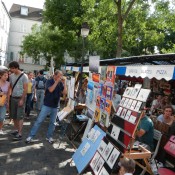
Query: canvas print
x=97, y=115
x=103, y=73
x=103, y=171
x=99, y=165
x=128, y=115
x=85, y=149
x=100, y=89
x=124, y=111
x=108, y=106
x=98, y=101
x=96, y=77
x=107, y=151
x=143, y=95
x=129, y=103
x=94, y=160
x=104, y=120
x=119, y=111
x=115, y=132
x=102, y=147
x=122, y=101
x=138, y=105
x=109, y=92
x=102, y=103
x=111, y=74
x=133, y=104
x=104, y=89
x=113, y=158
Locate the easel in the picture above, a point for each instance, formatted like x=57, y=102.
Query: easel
x=141, y=154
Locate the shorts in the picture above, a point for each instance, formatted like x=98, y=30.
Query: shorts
x=16, y=112
x=2, y=113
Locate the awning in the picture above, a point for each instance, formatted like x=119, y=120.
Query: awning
x=166, y=72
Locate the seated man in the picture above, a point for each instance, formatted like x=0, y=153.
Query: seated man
x=166, y=117
x=145, y=132
x=127, y=166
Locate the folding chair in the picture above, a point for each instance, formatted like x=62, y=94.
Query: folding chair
x=157, y=138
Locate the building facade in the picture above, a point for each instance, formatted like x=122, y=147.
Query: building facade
x=22, y=20
x=4, y=32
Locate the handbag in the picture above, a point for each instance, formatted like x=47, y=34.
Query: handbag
x=3, y=99
x=170, y=146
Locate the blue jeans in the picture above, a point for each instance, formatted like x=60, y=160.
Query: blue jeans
x=45, y=110
x=39, y=98
x=28, y=104
x=2, y=113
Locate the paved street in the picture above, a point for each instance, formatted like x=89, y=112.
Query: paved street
x=37, y=158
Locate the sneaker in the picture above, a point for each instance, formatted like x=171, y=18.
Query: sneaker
x=50, y=140
x=1, y=132
x=14, y=133
x=28, y=140
x=17, y=137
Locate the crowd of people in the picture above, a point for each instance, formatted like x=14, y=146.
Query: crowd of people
x=21, y=90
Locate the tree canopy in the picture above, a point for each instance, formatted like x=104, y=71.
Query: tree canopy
x=144, y=25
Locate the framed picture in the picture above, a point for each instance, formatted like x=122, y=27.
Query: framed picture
x=133, y=104
x=102, y=147
x=128, y=115
x=122, y=101
x=103, y=171
x=132, y=119
x=138, y=105
x=124, y=111
x=119, y=111
x=126, y=102
x=129, y=103
x=115, y=132
x=143, y=95
x=107, y=151
x=94, y=160
x=99, y=166
x=113, y=158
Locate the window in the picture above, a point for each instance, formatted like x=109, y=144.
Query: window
x=24, y=11
x=23, y=28
x=11, y=56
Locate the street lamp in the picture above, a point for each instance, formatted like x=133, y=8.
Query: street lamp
x=84, y=34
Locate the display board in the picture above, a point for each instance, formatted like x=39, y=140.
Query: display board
x=106, y=156
x=127, y=116
x=88, y=147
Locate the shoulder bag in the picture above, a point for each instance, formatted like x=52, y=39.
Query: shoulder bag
x=170, y=146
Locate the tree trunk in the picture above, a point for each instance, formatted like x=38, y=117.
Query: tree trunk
x=120, y=23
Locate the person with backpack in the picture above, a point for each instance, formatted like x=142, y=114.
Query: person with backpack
x=40, y=82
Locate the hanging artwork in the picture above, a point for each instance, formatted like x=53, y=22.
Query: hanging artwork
x=111, y=75
x=97, y=115
x=109, y=92
x=94, y=64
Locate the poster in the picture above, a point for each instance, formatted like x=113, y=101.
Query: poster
x=103, y=73
x=94, y=62
x=99, y=165
x=97, y=114
x=111, y=75
x=96, y=77
x=108, y=106
x=102, y=147
x=104, y=120
x=94, y=160
x=107, y=151
x=109, y=92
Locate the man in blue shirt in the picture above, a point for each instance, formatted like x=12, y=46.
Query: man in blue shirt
x=145, y=131
x=54, y=88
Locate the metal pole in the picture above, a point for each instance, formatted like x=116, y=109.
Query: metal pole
x=81, y=71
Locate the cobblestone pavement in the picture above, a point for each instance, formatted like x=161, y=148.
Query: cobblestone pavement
x=38, y=157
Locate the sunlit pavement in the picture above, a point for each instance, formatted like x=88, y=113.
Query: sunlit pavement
x=38, y=157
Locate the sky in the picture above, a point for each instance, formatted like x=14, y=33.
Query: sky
x=31, y=3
